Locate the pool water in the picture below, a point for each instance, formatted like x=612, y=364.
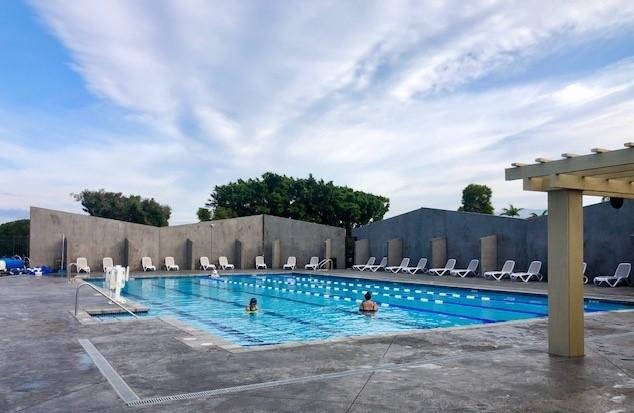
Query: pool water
x=298, y=307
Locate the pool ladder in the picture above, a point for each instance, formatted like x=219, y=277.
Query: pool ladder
x=323, y=263
x=83, y=283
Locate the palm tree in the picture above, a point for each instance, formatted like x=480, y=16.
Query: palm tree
x=543, y=214
x=511, y=211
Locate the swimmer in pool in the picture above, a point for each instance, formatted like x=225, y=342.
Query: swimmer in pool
x=368, y=305
x=253, y=306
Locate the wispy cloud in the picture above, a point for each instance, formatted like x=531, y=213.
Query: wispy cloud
x=413, y=100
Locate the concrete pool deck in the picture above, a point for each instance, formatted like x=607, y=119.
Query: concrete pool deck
x=44, y=368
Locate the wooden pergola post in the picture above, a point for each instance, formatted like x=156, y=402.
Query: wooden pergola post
x=565, y=284
x=603, y=173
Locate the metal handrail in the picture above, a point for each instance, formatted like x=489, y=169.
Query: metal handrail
x=322, y=264
x=100, y=292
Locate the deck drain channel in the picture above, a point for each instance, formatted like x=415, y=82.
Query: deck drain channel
x=120, y=387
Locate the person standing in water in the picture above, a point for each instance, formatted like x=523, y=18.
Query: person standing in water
x=253, y=306
x=368, y=305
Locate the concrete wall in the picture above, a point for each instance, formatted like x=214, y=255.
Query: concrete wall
x=248, y=230
x=302, y=239
x=95, y=238
x=608, y=236
x=463, y=231
x=90, y=237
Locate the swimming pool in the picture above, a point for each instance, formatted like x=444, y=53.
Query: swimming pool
x=299, y=307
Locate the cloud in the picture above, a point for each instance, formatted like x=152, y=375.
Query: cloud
x=412, y=100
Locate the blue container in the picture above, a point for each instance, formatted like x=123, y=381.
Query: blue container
x=13, y=263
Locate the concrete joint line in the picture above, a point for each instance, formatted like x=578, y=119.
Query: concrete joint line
x=118, y=384
x=385, y=368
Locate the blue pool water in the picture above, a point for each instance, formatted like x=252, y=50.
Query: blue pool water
x=300, y=307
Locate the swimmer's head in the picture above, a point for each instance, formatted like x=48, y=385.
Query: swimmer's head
x=253, y=301
x=368, y=296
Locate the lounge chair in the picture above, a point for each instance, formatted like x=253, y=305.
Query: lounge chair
x=205, y=264
x=170, y=264
x=146, y=263
x=620, y=275
x=507, y=270
x=361, y=267
x=107, y=263
x=259, y=262
x=532, y=272
x=290, y=263
x=375, y=268
x=312, y=264
x=224, y=264
x=422, y=263
x=471, y=269
x=583, y=273
x=397, y=268
x=451, y=263
x=81, y=265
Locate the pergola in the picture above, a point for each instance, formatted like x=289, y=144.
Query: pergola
x=608, y=173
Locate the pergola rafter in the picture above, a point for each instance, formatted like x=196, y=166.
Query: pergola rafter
x=602, y=173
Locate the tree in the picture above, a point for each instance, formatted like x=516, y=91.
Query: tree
x=543, y=214
x=511, y=211
x=477, y=198
x=305, y=199
x=19, y=228
x=14, y=238
x=204, y=214
x=115, y=205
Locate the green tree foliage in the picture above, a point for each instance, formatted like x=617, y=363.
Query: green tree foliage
x=14, y=238
x=543, y=214
x=115, y=205
x=305, y=199
x=18, y=228
x=204, y=214
x=477, y=198
x=511, y=211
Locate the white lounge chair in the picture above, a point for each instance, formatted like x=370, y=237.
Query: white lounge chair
x=146, y=263
x=532, y=272
x=375, y=268
x=507, y=270
x=312, y=264
x=422, y=263
x=361, y=267
x=397, y=268
x=451, y=263
x=471, y=269
x=259, y=262
x=583, y=273
x=620, y=275
x=290, y=263
x=224, y=264
x=170, y=264
x=81, y=265
x=107, y=263
x=205, y=264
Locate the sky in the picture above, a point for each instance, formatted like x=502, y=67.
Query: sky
x=412, y=100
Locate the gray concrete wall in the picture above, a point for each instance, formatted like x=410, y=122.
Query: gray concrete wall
x=95, y=238
x=361, y=251
x=463, y=231
x=90, y=237
x=302, y=239
x=608, y=236
x=248, y=230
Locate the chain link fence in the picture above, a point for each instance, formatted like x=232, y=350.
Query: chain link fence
x=11, y=245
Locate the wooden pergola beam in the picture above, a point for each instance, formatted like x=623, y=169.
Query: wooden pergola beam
x=611, y=159
x=588, y=185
